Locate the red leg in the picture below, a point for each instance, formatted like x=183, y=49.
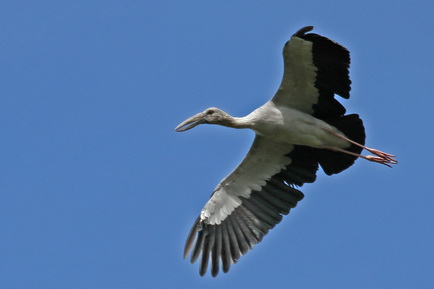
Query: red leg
x=370, y=158
x=380, y=157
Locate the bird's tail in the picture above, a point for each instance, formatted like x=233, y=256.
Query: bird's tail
x=335, y=162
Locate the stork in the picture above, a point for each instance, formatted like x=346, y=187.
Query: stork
x=301, y=128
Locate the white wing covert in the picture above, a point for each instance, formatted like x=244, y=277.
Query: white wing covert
x=249, y=202
x=315, y=69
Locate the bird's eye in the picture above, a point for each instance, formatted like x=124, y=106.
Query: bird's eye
x=209, y=112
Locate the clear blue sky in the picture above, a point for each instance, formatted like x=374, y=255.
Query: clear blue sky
x=98, y=191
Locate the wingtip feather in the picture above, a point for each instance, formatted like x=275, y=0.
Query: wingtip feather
x=303, y=31
x=191, y=237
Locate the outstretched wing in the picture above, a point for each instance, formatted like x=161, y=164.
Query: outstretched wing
x=315, y=68
x=249, y=202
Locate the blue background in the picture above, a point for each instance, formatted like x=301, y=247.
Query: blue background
x=98, y=191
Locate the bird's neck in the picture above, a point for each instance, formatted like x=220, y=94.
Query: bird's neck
x=237, y=122
x=240, y=122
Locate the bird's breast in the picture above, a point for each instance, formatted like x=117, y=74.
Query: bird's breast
x=295, y=127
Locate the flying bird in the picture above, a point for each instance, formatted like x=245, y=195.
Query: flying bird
x=301, y=128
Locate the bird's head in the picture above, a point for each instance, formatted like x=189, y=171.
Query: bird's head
x=211, y=115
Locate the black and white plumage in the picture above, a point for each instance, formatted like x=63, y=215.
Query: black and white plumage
x=301, y=128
